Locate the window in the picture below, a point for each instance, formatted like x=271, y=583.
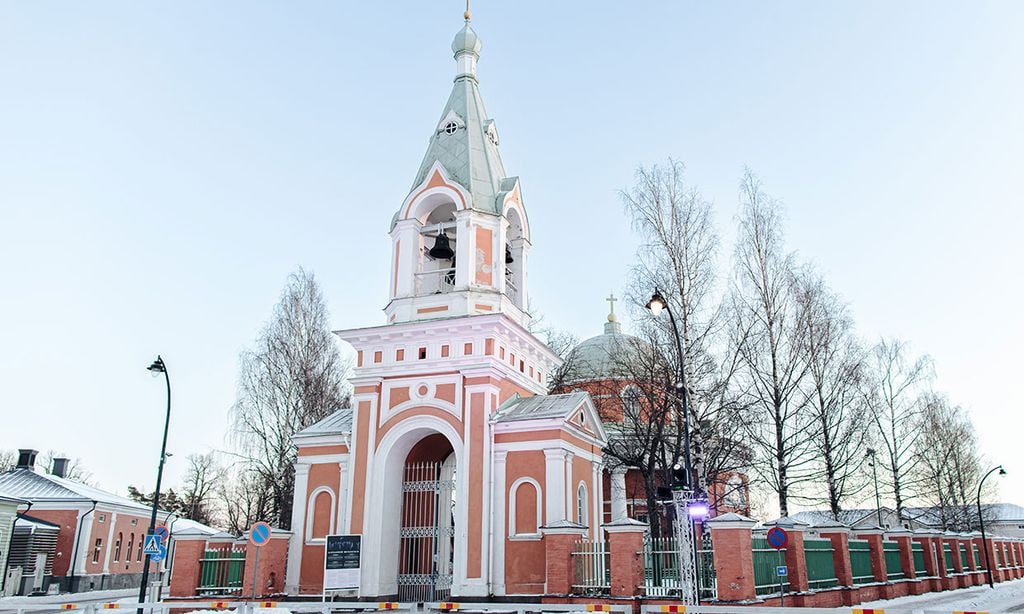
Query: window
x=423, y=353
x=451, y=128
x=128, y=550
x=138, y=557
x=630, y=401
x=117, y=547
x=96, y=551
x=581, y=504
x=102, y=517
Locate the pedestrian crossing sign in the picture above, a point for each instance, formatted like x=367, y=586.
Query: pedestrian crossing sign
x=152, y=545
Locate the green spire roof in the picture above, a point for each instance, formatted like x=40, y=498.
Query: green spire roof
x=465, y=141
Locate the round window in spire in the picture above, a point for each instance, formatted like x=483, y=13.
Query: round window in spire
x=451, y=128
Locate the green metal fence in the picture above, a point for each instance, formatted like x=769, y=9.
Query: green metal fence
x=220, y=572
x=963, y=556
x=948, y=554
x=591, y=562
x=766, y=559
x=661, y=568
x=821, y=572
x=893, y=563
x=860, y=561
x=920, y=569
x=979, y=559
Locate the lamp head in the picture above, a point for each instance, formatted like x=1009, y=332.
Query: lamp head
x=157, y=367
x=1001, y=470
x=656, y=304
x=698, y=510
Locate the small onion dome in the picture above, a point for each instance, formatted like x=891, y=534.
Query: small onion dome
x=466, y=41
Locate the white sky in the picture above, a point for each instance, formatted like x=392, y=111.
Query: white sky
x=163, y=167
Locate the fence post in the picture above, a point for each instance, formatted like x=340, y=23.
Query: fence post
x=188, y=551
x=559, y=538
x=733, y=556
x=839, y=535
x=626, y=545
x=931, y=561
x=273, y=557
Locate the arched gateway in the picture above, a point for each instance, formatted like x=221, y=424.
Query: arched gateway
x=451, y=459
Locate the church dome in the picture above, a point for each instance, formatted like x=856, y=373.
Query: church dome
x=466, y=41
x=605, y=356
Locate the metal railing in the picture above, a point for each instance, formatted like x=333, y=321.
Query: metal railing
x=437, y=281
x=238, y=607
x=661, y=568
x=591, y=568
x=221, y=572
x=526, y=608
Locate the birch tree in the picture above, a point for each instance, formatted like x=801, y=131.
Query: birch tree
x=292, y=378
x=895, y=401
x=833, y=389
x=770, y=341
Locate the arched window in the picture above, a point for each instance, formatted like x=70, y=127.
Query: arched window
x=630, y=396
x=320, y=513
x=138, y=556
x=524, y=509
x=581, y=504
x=128, y=550
x=117, y=547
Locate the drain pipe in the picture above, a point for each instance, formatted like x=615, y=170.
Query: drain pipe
x=78, y=541
x=7, y=563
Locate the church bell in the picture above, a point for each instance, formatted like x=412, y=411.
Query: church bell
x=442, y=250
x=508, y=255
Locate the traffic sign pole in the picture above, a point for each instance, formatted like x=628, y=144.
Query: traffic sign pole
x=782, y=593
x=255, y=572
x=259, y=534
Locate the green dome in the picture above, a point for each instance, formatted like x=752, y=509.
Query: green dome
x=466, y=41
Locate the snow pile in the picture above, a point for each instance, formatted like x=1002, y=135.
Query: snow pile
x=1006, y=597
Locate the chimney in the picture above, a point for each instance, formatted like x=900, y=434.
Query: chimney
x=60, y=467
x=27, y=459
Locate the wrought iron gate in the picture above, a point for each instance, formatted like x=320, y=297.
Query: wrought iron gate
x=427, y=536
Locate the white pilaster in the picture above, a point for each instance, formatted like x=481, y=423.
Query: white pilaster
x=618, y=493
x=407, y=236
x=112, y=519
x=291, y=580
x=498, y=490
x=570, y=489
x=554, y=485
x=597, y=499
x=341, y=526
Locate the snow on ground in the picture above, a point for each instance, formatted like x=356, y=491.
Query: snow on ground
x=89, y=596
x=1005, y=597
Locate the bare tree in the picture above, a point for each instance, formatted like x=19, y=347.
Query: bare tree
x=197, y=493
x=948, y=464
x=293, y=378
x=895, y=402
x=833, y=388
x=678, y=257
x=245, y=498
x=771, y=346
x=74, y=470
x=8, y=460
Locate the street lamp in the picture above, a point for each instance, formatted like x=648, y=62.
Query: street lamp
x=689, y=574
x=874, y=470
x=981, y=522
x=656, y=305
x=156, y=369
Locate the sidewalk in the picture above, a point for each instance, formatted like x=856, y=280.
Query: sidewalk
x=1005, y=597
x=90, y=596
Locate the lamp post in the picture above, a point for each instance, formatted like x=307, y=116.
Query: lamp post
x=981, y=522
x=156, y=368
x=874, y=470
x=656, y=305
x=689, y=574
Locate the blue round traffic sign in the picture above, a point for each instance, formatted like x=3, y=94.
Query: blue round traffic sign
x=777, y=538
x=259, y=533
x=161, y=532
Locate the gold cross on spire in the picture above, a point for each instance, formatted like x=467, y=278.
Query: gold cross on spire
x=611, y=302
x=468, y=15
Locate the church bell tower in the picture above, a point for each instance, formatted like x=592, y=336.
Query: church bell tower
x=460, y=239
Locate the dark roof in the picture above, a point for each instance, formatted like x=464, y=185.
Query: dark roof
x=31, y=522
x=817, y=518
x=338, y=423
